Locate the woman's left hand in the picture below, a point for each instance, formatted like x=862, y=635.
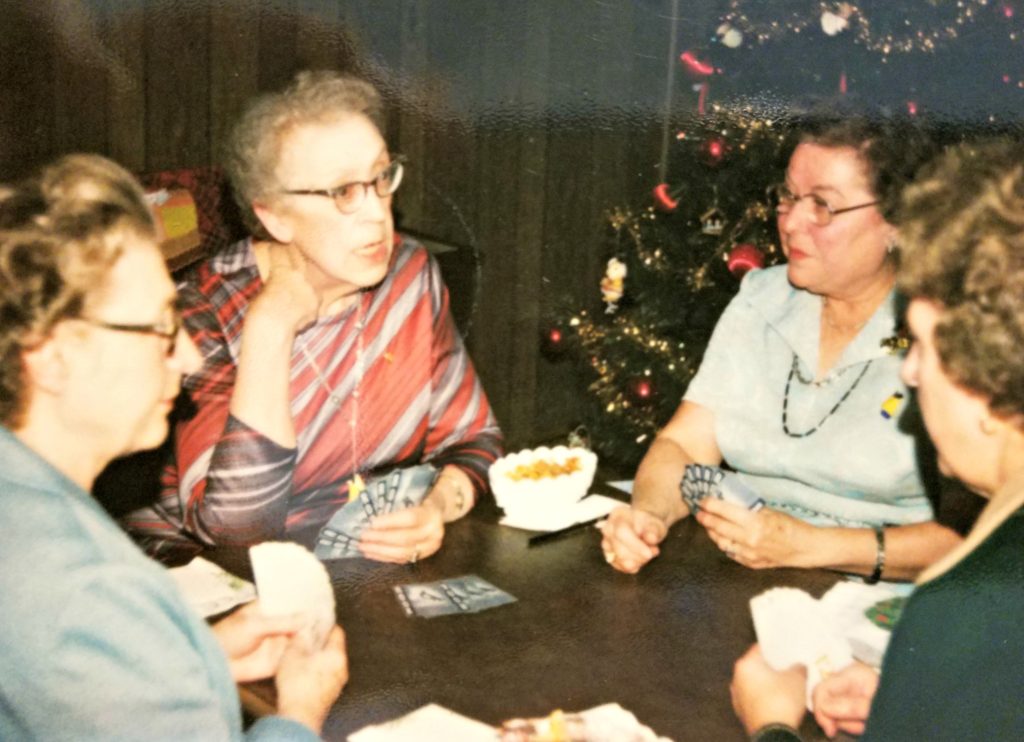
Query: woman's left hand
x=404, y=535
x=254, y=642
x=759, y=539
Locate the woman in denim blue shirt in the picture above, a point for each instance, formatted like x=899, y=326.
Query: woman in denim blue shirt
x=796, y=391
x=97, y=643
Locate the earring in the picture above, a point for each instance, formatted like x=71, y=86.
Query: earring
x=988, y=425
x=891, y=246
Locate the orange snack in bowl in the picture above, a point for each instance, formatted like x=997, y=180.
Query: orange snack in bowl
x=542, y=468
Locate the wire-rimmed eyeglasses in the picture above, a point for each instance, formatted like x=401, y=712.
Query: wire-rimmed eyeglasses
x=169, y=328
x=783, y=200
x=348, y=197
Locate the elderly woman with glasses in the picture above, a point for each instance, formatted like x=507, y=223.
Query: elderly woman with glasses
x=799, y=390
x=953, y=668
x=329, y=354
x=98, y=644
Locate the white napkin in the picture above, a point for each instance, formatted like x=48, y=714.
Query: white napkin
x=430, y=723
x=554, y=518
x=795, y=629
x=209, y=589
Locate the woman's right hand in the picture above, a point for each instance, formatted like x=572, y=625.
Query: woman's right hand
x=310, y=680
x=842, y=701
x=631, y=537
x=287, y=295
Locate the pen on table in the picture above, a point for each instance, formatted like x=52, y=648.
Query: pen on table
x=543, y=538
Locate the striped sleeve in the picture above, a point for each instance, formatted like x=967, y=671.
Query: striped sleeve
x=462, y=429
x=227, y=483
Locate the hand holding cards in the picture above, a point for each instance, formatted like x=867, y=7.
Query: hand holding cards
x=396, y=490
x=289, y=579
x=700, y=481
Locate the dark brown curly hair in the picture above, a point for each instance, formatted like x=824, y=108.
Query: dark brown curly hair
x=892, y=149
x=962, y=236
x=60, y=232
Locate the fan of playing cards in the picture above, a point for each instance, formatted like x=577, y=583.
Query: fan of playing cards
x=396, y=490
x=700, y=481
x=289, y=579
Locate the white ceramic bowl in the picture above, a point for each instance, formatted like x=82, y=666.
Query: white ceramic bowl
x=547, y=492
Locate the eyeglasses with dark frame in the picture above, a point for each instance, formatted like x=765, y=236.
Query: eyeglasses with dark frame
x=783, y=200
x=168, y=329
x=349, y=197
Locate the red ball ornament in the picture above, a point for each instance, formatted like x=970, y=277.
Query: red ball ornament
x=743, y=258
x=664, y=199
x=714, y=150
x=552, y=342
x=641, y=391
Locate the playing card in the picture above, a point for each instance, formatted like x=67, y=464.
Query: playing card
x=476, y=593
x=395, y=490
x=700, y=481
x=733, y=489
x=289, y=579
x=468, y=594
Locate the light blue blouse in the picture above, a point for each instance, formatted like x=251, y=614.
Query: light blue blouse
x=96, y=643
x=858, y=468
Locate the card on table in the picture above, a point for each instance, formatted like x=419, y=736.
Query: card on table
x=396, y=490
x=700, y=481
x=290, y=579
x=209, y=589
x=467, y=594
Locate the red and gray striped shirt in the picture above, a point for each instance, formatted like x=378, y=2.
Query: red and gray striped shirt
x=392, y=368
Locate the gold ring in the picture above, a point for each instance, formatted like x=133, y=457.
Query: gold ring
x=609, y=556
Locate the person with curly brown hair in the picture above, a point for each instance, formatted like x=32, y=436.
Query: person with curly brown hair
x=953, y=668
x=98, y=644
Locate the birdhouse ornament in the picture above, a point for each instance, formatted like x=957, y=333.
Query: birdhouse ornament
x=712, y=222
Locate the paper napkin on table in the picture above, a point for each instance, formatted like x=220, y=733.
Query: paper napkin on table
x=606, y=723
x=554, y=518
x=430, y=723
x=209, y=589
x=823, y=635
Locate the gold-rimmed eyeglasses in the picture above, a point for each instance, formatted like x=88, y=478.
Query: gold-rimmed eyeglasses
x=783, y=200
x=168, y=328
x=348, y=197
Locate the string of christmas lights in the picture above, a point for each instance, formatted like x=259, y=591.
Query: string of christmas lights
x=760, y=22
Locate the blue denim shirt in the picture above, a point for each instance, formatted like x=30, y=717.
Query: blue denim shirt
x=96, y=643
x=858, y=468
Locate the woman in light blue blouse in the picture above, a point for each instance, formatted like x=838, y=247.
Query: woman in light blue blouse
x=98, y=644
x=799, y=390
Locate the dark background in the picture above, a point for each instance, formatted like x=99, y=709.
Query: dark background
x=525, y=121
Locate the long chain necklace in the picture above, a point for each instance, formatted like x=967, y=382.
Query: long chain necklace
x=355, y=484
x=795, y=371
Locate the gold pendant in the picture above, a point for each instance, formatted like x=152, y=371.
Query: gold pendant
x=355, y=487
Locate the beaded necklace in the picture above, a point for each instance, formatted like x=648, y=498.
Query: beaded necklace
x=355, y=484
x=795, y=371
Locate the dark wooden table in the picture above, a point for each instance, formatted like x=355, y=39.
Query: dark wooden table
x=661, y=643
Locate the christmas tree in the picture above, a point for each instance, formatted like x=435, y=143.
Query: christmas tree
x=673, y=266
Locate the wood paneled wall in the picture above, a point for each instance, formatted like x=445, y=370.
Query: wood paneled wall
x=498, y=164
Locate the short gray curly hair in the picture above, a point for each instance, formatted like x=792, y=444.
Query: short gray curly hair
x=254, y=147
